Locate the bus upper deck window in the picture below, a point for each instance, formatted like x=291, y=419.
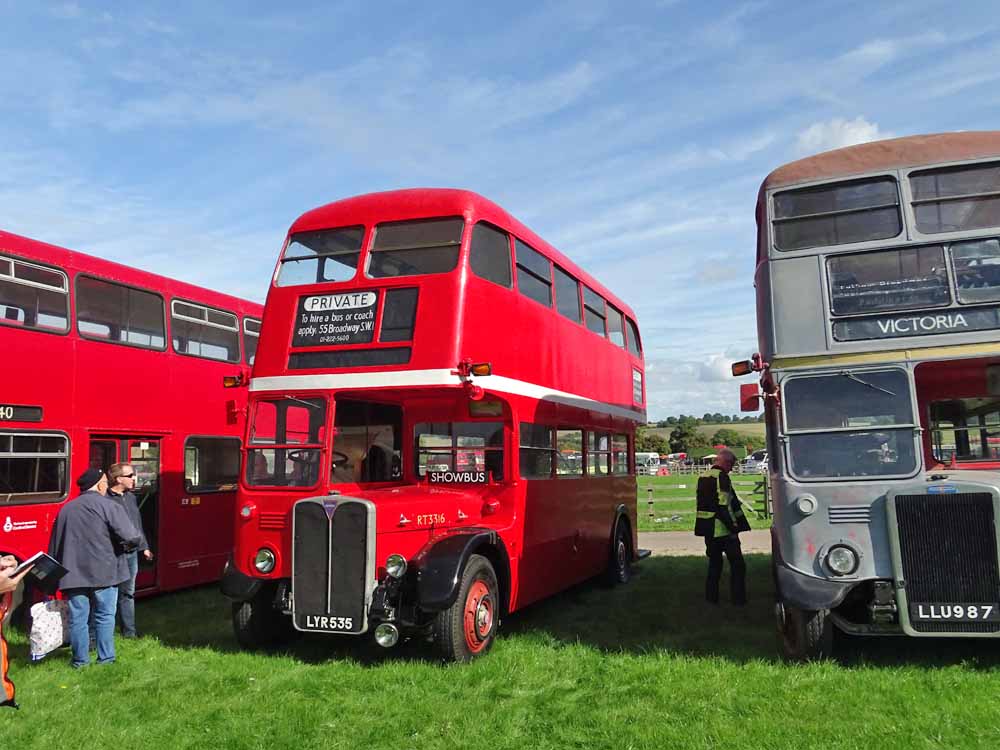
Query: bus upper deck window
x=838, y=214
x=322, y=256
x=415, y=248
x=977, y=270
x=956, y=199
x=33, y=297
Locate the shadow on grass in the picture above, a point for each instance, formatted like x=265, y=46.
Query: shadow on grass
x=661, y=610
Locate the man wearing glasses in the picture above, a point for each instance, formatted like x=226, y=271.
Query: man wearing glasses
x=122, y=482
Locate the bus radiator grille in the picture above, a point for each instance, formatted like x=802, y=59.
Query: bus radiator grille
x=948, y=550
x=329, y=558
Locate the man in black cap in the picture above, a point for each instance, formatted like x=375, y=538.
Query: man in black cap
x=87, y=536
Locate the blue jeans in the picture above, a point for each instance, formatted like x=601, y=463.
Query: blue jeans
x=126, y=597
x=104, y=603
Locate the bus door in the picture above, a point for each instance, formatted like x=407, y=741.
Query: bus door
x=143, y=455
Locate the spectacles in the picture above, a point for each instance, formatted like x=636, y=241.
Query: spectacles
x=126, y=476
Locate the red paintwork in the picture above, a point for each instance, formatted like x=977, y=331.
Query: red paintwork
x=557, y=531
x=90, y=388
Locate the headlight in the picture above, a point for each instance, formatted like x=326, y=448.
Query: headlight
x=246, y=512
x=395, y=566
x=264, y=561
x=387, y=635
x=841, y=560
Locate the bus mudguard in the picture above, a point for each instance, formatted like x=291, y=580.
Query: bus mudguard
x=236, y=585
x=439, y=565
x=806, y=591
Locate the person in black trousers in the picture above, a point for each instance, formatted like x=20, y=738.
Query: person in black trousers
x=720, y=520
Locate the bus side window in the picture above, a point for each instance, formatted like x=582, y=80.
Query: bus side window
x=33, y=297
x=489, y=254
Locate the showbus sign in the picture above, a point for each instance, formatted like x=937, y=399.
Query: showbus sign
x=878, y=283
x=460, y=447
x=117, y=365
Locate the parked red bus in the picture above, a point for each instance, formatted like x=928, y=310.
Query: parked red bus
x=106, y=363
x=442, y=419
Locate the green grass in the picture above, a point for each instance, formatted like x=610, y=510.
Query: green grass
x=674, y=501
x=744, y=428
x=648, y=665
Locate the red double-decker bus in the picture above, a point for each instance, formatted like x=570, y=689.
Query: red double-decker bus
x=442, y=419
x=106, y=363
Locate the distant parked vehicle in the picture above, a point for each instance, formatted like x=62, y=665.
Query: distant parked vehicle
x=756, y=461
x=647, y=463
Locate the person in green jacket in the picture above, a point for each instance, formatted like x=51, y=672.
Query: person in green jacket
x=720, y=520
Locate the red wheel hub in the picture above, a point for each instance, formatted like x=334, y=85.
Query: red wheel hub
x=478, y=617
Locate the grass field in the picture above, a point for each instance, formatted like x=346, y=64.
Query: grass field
x=674, y=501
x=744, y=428
x=643, y=666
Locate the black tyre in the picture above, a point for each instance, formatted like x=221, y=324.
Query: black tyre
x=619, y=570
x=804, y=634
x=467, y=629
x=257, y=624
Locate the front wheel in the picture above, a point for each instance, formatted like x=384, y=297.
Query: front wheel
x=804, y=634
x=257, y=624
x=468, y=627
x=619, y=570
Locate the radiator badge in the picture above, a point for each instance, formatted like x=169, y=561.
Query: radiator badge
x=942, y=489
x=329, y=506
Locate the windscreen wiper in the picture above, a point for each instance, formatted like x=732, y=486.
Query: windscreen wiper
x=851, y=376
x=310, y=404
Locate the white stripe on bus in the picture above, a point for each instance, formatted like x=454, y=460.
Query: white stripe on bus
x=408, y=378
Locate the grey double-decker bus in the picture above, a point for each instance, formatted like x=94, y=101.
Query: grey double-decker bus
x=878, y=312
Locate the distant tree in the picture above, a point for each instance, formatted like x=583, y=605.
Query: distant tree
x=671, y=421
x=726, y=419
x=685, y=437
x=727, y=437
x=753, y=442
x=650, y=442
x=707, y=418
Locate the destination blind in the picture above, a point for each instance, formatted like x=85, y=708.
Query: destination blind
x=336, y=319
x=16, y=413
x=917, y=324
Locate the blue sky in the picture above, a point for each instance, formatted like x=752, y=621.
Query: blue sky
x=183, y=138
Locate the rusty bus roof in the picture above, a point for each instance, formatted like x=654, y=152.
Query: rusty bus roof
x=895, y=153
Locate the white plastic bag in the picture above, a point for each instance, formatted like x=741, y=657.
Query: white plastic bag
x=49, y=627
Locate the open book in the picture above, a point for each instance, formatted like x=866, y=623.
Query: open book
x=45, y=571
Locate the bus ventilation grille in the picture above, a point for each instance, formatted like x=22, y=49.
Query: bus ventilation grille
x=948, y=550
x=272, y=522
x=329, y=563
x=850, y=514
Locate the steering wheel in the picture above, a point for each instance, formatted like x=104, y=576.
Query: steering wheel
x=340, y=459
x=301, y=456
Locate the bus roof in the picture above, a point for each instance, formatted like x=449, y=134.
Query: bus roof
x=73, y=260
x=421, y=203
x=895, y=153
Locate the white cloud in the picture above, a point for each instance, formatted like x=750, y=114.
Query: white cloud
x=66, y=11
x=837, y=133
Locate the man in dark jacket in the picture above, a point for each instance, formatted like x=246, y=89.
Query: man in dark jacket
x=720, y=520
x=121, y=477
x=87, y=535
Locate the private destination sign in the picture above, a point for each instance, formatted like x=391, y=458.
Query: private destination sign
x=326, y=319
x=917, y=324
